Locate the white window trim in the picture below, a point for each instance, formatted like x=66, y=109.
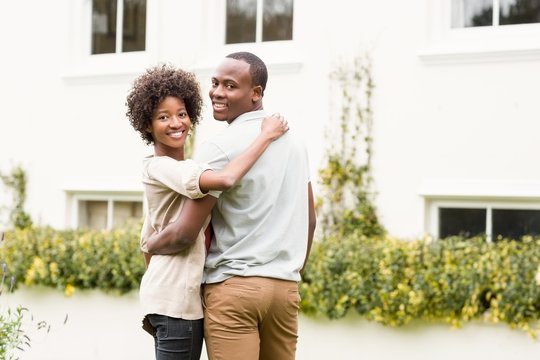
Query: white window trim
x=75, y=197
x=99, y=188
x=485, y=194
x=446, y=45
x=258, y=21
x=82, y=64
x=281, y=57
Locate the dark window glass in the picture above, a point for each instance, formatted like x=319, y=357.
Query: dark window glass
x=103, y=26
x=134, y=26
x=461, y=222
x=519, y=12
x=469, y=13
x=514, y=224
x=277, y=20
x=241, y=21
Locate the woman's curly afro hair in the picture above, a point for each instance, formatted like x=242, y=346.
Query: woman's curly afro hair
x=154, y=86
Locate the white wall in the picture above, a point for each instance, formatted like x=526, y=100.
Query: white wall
x=107, y=327
x=63, y=112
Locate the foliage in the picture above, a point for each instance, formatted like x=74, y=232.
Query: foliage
x=454, y=280
x=70, y=259
x=345, y=202
x=12, y=334
x=386, y=280
x=16, y=181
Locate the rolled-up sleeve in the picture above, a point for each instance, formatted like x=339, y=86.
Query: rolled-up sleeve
x=179, y=176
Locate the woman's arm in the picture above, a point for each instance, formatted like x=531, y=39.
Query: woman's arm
x=271, y=129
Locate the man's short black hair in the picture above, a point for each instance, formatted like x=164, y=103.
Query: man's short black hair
x=257, y=68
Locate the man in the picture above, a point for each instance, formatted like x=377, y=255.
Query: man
x=263, y=227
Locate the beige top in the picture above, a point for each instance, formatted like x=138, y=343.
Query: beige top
x=171, y=285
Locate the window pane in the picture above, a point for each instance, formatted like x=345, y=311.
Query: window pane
x=126, y=213
x=103, y=26
x=461, y=222
x=514, y=224
x=277, y=20
x=93, y=214
x=468, y=13
x=519, y=12
x=134, y=27
x=241, y=21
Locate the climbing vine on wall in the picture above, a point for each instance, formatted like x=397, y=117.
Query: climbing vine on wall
x=16, y=183
x=345, y=203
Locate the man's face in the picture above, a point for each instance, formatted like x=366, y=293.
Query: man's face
x=232, y=92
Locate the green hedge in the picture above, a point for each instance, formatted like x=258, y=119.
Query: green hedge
x=386, y=280
x=453, y=280
x=74, y=259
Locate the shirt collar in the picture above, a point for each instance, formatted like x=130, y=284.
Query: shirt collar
x=251, y=115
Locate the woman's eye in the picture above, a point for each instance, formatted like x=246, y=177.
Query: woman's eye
x=162, y=117
x=182, y=114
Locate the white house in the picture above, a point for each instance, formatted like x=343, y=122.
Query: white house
x=455, y=121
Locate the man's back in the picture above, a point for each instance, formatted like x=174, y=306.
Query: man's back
x=261, y=225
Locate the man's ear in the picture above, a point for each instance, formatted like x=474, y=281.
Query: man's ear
x=257, y=94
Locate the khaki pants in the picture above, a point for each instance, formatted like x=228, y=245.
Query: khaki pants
x=251, y=318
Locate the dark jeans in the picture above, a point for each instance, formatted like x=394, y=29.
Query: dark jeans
x=177, y=339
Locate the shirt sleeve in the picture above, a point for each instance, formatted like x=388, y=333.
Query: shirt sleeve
x=211, y=154
x=146, y=232
x=179, y=176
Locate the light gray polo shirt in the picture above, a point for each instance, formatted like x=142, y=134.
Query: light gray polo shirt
x=261, y=225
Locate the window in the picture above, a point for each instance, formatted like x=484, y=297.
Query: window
x=461, y=222
x=472, y=13
x=493, y=221
x=118, y=26
x=258, y=20
x=108, y=214
x=473, y=31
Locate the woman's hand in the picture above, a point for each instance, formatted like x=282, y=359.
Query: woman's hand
x=274, y=126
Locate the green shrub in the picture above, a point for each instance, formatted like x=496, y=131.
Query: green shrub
x=454, y=280
x=386, y=280
x=69, y=259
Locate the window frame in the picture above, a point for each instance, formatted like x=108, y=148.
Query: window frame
x=475, y=193
x=447, y=45
x=281, y=57
x=433, y=204
x=119, y=40
x=259, y=21
x=74, y=199
x=81, y=63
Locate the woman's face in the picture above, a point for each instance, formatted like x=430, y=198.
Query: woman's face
x=170, y=127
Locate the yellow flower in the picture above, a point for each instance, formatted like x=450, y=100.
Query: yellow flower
x=53, y=268
x=69, y=290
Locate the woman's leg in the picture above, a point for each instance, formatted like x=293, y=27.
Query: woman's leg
x=177, y=339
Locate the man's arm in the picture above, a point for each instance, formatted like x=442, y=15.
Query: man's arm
x=183, y=232
x=312, y=223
